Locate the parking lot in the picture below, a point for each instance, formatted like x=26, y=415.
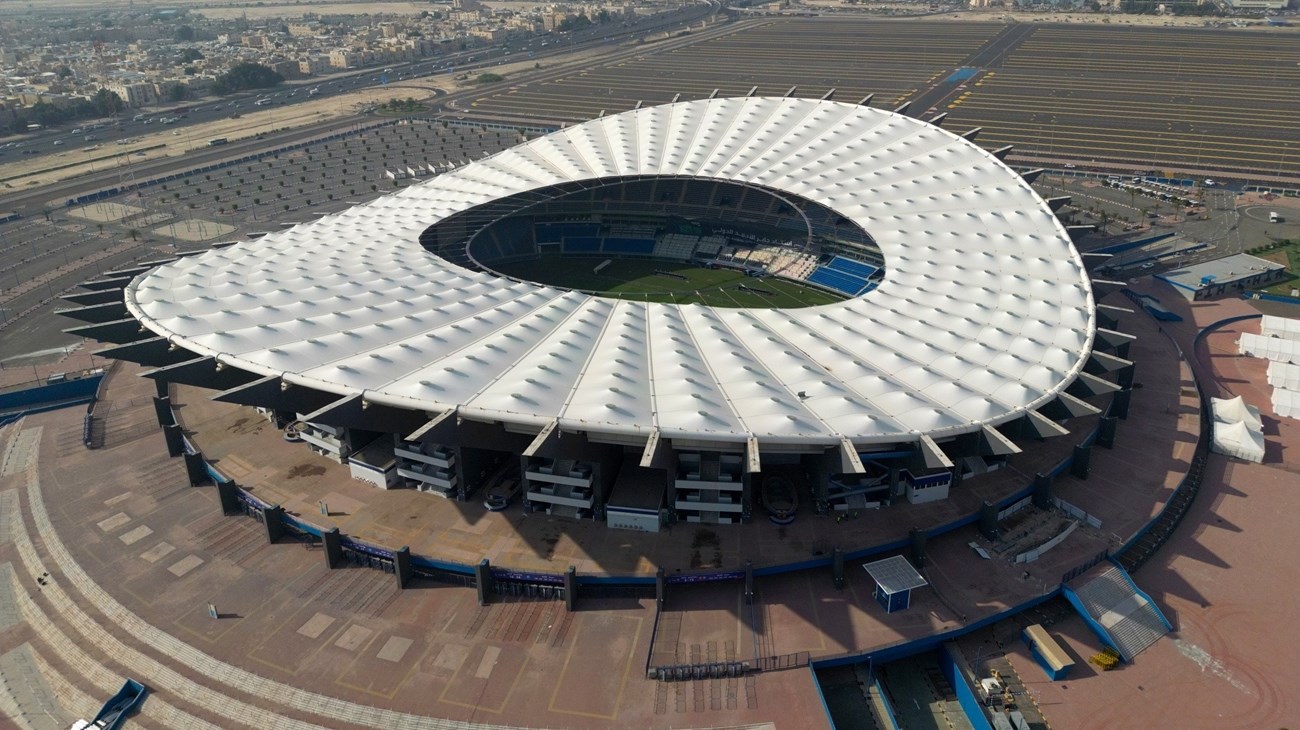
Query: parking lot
x=857, y=57
x=1146, y=98
x=42, y=258
x=1218, y=101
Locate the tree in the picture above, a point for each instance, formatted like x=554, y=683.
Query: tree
x=64, y=72
x=133, y=233
x=244, y=76
x=489, y=78
x=177, y=92
x=184, y=34
x=191, y=54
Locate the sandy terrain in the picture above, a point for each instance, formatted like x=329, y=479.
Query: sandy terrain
x=165, y=143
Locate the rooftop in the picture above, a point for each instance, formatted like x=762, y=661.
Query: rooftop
x=1219, y=271
x=352, y=303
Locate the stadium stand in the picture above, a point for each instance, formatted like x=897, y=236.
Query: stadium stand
x=676, y=246
x=859, y=269
x=710, y=245
x=629, y=245
x=837, y=280
x=582, y=244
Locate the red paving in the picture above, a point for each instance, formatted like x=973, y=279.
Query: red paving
x=529, y=662
x=1225, y=579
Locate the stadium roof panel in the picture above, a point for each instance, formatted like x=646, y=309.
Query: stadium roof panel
x=984, y=310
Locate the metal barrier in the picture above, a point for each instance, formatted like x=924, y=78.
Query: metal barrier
x=692, y=672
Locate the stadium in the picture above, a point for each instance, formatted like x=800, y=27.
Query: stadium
x=709, y=311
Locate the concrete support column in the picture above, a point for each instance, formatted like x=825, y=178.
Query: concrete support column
x=175, y=440
x=747, y=497
x=273, y=520
x=661, y=588
x=402, y=566
x=483, y=579
x=1119, y=404
x=989, y=520
x=332, y=545
x=1082, y=457
x=162, y=408
x=918, y=537
x=749, y=582
x=226, y=492
x=1124, y=376
x=895, y=489
x=1106, y=432
x=162, y=388
x=571, y=589
x=1042, y=491
x=837, y=567
x=195, y=469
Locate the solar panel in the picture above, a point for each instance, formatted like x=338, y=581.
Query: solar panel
x=895, y=575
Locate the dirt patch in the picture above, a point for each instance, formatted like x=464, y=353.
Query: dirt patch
x=306, y=470
x=706, y=549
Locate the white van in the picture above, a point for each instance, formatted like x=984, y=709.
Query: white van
x=1273, y=217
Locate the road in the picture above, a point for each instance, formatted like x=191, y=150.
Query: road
x=132, y=124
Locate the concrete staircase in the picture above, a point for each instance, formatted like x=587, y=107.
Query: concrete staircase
x=1116, y=606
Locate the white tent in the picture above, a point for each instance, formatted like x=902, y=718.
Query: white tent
x=1230, y=410
x=1286, y=403
x=1237, y=440
x=1284, y=375
x=1273, y=348
x=1287, y=329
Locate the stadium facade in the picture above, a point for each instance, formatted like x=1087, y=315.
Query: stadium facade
x=966, y=329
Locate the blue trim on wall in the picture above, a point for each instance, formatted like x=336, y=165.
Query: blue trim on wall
x=1092, y=625
x=916, y=646
x=74, y=391
x=970, y=704
x=830, y=721
x=889, y=707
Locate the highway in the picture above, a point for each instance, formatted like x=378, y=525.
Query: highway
x=31, y=202
x=133, y=123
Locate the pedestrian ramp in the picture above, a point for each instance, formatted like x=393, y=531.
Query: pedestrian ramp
x=1121, y=614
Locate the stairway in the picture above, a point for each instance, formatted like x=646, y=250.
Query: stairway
x=1117, y=609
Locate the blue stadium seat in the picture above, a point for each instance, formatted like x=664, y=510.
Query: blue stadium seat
x=859, y=269
x=582, y=244
x=837, y=280
x=629, y=245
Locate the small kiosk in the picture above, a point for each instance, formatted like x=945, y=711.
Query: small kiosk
x=895, y=579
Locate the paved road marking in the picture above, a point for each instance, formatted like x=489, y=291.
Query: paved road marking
x=450, y=657
x=488, y=662
x=354, y=637
x=108, y=524
x=394, y=649
x=316, y=626
x=185, y=565
x=136, y=535
x=126, y=621
x=157, y=552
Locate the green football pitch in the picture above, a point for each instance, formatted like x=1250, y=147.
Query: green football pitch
x=665, y=281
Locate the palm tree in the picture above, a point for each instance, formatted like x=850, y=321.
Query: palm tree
x=133, y=233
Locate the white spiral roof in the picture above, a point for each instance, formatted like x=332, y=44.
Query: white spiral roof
x=985, y=309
